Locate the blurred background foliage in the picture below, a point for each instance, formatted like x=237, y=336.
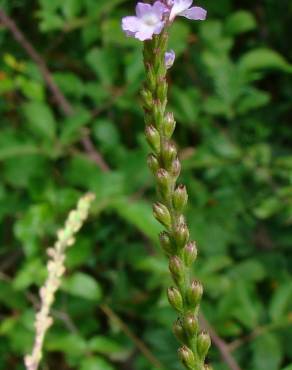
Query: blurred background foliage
x=231, y=92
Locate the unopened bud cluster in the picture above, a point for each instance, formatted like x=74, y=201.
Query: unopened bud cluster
x=185, y=295
x=56, y=268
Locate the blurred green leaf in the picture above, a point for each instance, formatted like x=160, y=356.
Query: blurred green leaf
x=82, y=285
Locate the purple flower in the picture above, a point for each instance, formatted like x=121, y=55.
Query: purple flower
x=169, y=58
x=183, y=8
x=149, y=20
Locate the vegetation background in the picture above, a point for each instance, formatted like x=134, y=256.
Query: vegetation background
x=231, y=91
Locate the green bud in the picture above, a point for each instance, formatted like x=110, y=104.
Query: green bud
x=194, y=293
x=162, y=89
x=190, y=324
x=169, y=125
x=158, y=113
x=203, y=344
x=181, y=234
x=164, y=182
x=161, y=213
x=187, y=357
x=180, y=198
x=175, y=168
x=190, y=253
x=147, y=99
x=166, y=243
x=153, y=137
x=153, y=163
x=179, y=331
x=175, y=298
x=176, y=268
x=150, y=78
x=169, y=154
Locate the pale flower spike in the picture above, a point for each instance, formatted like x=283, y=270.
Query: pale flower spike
x=151, y=19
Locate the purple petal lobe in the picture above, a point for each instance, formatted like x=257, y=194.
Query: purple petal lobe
x=130, y=24
x=142, y=8
x=178, y=7
x=195, y=13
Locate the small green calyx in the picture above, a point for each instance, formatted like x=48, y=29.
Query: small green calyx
x=176, y=268
x=153, y=138
x=187, y=357
x=190, y=324
x=161, y=213
x=190, y=253
x=203, y=344
x=175, y=298
x=153, y=163
x=194, y=293
x=180, y=198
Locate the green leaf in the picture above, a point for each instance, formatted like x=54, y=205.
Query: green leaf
x=40, y=119
x=71, y=344
x=95, y=363
x=263, y=58
x=267, y=353
x=240, y=22
x=82, y=285
x=139, y=214
x=71, y=127
x=104, y=345
x=281, y=302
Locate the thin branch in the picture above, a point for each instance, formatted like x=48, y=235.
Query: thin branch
x=221, y=345
x=60, y=99
x=139, y=344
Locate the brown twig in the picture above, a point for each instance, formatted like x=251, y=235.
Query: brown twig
x=60, y=99
x=220, y=344
x=139, y=344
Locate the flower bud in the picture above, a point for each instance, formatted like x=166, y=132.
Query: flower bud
x=176, y=268
x=162, y=89
x=175, y=168
x=169, y=125
x=158, y=113
x=169, y=153
x=179, y=331
x=194, y=293
x=190, y=253
x=180, y=198
x=181, y=234
x=175, y=298
x=203, y=344
x=153, y=137
x=190, y=324
x=166, y=243
x=161, y=213
x=208, y=367
x=147, y=98
x=164, y=182
x=187, y=357
x=153, y=163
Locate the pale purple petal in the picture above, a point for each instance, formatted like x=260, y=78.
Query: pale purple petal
x=159, y=9
x=196, y=13
x=159, y=28
x=169, y=58
x=178, y=7
x=144, y=33
x=142, y=8
x=131, y=24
